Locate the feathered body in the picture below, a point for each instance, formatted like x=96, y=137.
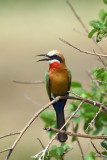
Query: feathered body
x=58, y=80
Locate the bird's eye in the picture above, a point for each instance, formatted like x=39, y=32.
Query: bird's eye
x=57, y=58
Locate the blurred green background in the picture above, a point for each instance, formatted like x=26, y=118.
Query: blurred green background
x=28, y=28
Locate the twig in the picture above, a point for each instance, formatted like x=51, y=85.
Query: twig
x=83, y=25
x=10, y=134
x=47, y=147
x=41, y=143
x=99, y=154
x=28, y=125
x=74, y=29
x=92, y=78
x=30, y=82
x=78, y=142
x=87, y=52
x=5, y=150
x=99, y=81
x=98, y=104
x=76, y=15
x=93, y=120
x=77, y=134
x=34, y=102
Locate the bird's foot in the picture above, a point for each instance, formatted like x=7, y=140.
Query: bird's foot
x=54, y=98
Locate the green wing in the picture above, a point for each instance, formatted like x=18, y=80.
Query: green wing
x=70, y=78
x=47, y=83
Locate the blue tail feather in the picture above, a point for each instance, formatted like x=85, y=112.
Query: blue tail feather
x=59, y=106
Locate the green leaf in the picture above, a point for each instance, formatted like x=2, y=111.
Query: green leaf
x=65, y=146
x=56, y=152
x=90, y=156
x=75, y=130
x=91, y=33
x=48, y=116
x=71, y=107
x=95, y=24
x=105, y=1
x=76, y=84
x=102, y=14
x=104, y=144
x=105, y=131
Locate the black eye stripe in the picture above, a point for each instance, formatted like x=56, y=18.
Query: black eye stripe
x=57, y=58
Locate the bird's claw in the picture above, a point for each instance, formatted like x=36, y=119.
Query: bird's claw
x=54, y=98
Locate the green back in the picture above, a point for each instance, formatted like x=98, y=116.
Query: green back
x=47, y=83
x=70, y=78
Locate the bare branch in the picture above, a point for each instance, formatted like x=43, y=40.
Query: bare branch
x=98, y=104
x=83, y=25
x=99, y=81
x=87, y=52
x=78, y=143
x=91, y=124
x=30, y=82
x=5, y=150
x=77, y=134
x=28, y=125
x=76, y=15
x=47, y=147
x=99, y=154
x=34, y=102
x=41, y=143
x=10, y=134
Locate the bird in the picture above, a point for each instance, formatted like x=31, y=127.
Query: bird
x=58, y=82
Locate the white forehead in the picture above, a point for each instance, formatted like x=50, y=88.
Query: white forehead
x=51, y=53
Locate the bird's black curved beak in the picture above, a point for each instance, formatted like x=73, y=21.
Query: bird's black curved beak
x=44, y=59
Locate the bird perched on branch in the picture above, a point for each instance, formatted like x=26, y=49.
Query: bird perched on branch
x=58, y=80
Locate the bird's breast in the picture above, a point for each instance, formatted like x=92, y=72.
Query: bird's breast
x=59, y=82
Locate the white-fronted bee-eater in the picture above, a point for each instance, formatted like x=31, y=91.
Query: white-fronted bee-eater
x=58, y=81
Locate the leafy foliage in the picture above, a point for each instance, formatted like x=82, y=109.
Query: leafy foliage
x=87, y=112
x=99, y=26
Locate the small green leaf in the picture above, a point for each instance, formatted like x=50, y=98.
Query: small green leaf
x=90, y=156
x=76, y=84
x=95, y=24
x=104, y=144
x=91, y=33
x=71, y=107
x=105, y=1
x=65, y=146
x=56, y=152
x=47, y=116
x=102, y=14
x=105, y=131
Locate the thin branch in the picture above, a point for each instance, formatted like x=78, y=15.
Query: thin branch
x=10, y=134
x=34, y=102
x=83, y=25
x=99, y=153
x=28, y=125
x=47, y=147
x=76, y=15
x=5, y=150
x=77, y=134
x=30, y=82
x=41, y=143
x=87, y=52
x=74, y=29
x=78, y=142
x=91, y=124
x=99, y=81
x=98, y=104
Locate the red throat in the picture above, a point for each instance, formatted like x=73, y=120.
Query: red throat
x=54, y=65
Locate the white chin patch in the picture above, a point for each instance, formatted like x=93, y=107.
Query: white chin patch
x=54, y=60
